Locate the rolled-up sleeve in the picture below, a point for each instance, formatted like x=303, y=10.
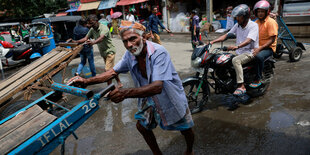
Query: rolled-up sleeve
x=162, y=68
x=122, y=66
x=104, y=31
x=253, y=33
x=272, y=28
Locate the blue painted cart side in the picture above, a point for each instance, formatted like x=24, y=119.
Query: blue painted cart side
x=46, y=140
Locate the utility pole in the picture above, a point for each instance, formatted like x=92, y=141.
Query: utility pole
x=166, y=15
x=209, y=9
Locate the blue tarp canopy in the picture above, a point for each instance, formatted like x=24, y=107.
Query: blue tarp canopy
x=72, y=10
x=107, y=4
x=58, y=19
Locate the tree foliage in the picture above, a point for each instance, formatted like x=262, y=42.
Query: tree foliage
x=30, y=8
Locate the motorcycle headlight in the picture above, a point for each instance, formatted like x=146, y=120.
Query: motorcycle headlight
x=196, y=63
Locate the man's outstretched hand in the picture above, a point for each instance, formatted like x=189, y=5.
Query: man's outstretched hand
x=77, y=81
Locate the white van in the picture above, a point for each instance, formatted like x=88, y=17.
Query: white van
x=296, y=12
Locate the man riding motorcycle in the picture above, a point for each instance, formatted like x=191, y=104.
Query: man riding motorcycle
x=268, y=31
x=247, y=40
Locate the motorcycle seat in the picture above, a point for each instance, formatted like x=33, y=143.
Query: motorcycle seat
x=21, y=48
x=16, y=44
x=253, y=62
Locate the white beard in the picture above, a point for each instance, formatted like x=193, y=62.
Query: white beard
x=138, y=49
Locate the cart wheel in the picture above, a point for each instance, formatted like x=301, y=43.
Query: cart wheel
x=296, y=54
x=278, y=52
x=14, y=107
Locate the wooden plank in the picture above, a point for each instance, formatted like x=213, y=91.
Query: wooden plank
x=27, y=69
x=46, y=77
x=19, y=120
x=24, y=81
x=68, y=44
x=30, y=71
x=24, y=132
x=70, y=53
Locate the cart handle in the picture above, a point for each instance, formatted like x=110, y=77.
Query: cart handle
x=105, y=91
x=72, y=90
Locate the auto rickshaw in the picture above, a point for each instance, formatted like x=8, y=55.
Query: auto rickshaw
x=46, y=33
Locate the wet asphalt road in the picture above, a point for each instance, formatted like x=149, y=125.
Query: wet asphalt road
x=276, y=123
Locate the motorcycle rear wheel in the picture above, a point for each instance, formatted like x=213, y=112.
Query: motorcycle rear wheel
x=196, y=103
x=261, y=90
x=256, y=92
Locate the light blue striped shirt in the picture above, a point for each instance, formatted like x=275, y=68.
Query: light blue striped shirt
x=171, y=103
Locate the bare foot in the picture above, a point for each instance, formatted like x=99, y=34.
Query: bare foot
x=119, y=85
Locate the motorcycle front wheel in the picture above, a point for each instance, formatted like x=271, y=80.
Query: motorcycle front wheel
x=196, y=98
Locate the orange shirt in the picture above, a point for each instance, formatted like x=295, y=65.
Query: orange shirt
x=267, y=29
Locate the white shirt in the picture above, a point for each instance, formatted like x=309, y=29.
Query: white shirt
x=130, y=18
x=250, y=31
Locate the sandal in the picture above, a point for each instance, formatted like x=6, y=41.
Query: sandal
x=255, y=85
x=239, y=91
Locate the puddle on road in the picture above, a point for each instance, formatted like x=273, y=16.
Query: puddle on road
x=279, y=120
x=82, y=146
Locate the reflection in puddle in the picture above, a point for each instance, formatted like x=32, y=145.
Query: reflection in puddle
x=280, y=120
x=127, y=108
x=108, y=122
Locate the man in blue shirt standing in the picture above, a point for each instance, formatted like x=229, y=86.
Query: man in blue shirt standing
x=153, y=26
x=161, y=96
x=195, y=29
x=79, y=32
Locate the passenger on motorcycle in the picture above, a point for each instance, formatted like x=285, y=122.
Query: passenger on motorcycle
x=268, y=31
x=247, y=40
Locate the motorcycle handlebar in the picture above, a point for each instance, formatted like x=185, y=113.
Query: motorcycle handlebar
x=225, y=48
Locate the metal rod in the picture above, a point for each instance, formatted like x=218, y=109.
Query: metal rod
x=48, y=101
x=74, y=135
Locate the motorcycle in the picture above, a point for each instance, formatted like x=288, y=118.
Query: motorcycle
x=214, y=69
x=12, y=53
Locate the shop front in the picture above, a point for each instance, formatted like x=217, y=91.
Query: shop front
x=140, y=8
x=88, y=7
x=178, y=12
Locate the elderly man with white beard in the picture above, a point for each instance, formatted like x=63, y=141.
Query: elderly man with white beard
x=161, y=97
